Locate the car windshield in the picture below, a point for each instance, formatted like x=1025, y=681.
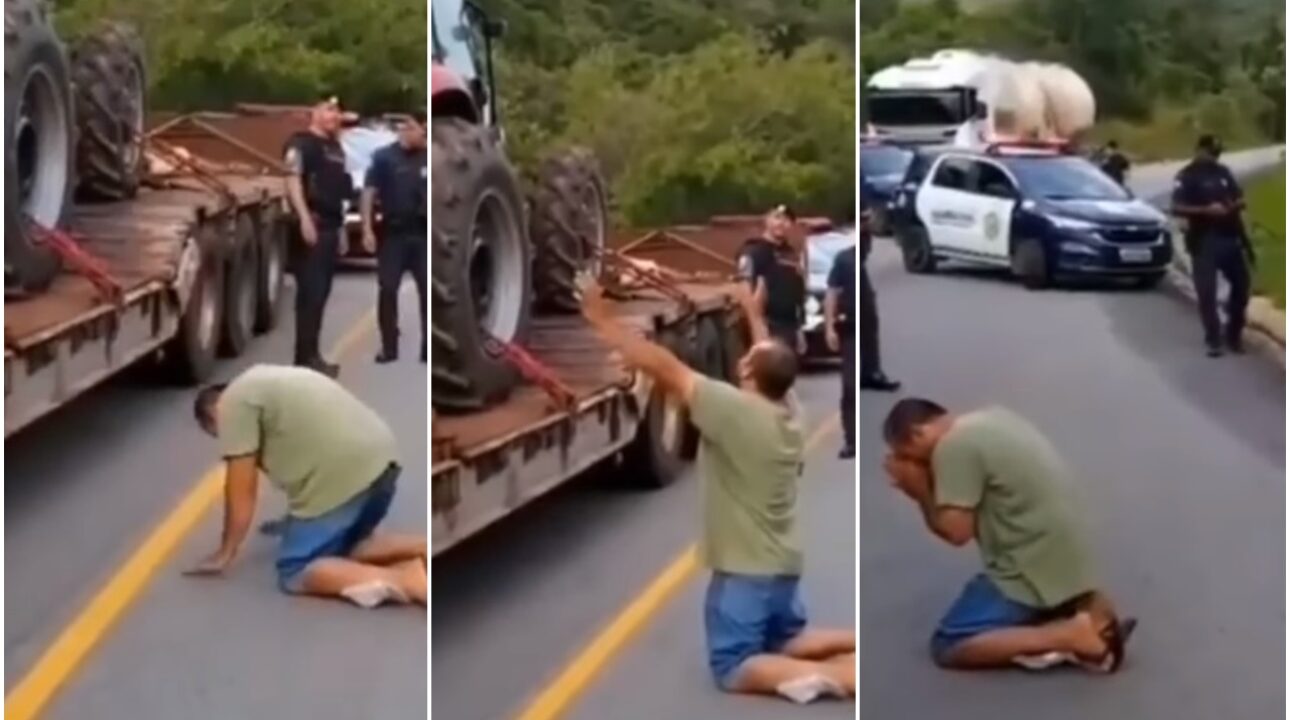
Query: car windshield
x=883, y=160
x=822, y=248
x=1064, y=178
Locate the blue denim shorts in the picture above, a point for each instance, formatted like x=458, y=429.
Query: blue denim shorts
x=980, y=608
x=334, y=533
x=747, y=615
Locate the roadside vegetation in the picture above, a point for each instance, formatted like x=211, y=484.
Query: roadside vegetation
x=1163, y=71
x=694, y=109
x=209, y=55
x=1267, y=225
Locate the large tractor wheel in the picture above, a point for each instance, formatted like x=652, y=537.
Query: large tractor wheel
x=568, y=226
x=480, y=266
x=111, y=85
x=38, y=143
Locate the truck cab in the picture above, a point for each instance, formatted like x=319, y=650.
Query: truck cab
x=931, y=100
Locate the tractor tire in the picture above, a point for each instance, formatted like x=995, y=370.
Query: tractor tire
x=271, y=268
x=190, y=355
x=480, y=266
x=568, y=224
x=240, y=288
x=111, y=83
x=39, y=140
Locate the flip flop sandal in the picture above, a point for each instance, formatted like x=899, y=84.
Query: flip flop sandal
x=1116, y=635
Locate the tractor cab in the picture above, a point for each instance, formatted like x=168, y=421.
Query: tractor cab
x=463, y=36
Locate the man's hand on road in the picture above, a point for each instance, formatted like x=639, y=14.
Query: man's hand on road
x=212, y=566
x=308, y=232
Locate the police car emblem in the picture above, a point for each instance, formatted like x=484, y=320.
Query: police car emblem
x=991, y=223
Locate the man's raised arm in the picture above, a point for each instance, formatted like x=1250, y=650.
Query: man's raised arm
x=675, y=377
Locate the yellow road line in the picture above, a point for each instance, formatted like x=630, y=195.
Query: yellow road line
x=31, y=694
x=578, y=675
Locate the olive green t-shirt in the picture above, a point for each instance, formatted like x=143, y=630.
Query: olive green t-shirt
x=1027, y=528
x=750, y=458
x=317, y=442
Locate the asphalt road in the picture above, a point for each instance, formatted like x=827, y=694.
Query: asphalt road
x=512, y=607
x=1181, y=460
x=86, y=485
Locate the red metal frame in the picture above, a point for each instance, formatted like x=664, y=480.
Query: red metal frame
x=67, y=247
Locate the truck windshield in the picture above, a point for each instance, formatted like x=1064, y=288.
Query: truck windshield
x=1064, y=178
x=923, y=108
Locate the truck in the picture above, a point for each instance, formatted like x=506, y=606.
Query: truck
x=525, y=396
x=971, y=100
x=122, y=242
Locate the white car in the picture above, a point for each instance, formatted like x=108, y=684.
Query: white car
x=821, y=249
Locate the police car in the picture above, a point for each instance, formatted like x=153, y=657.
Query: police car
x=821, y=249
x=1038, y=211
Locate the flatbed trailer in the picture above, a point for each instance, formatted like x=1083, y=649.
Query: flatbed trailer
x=487, y=464
x=196, y=263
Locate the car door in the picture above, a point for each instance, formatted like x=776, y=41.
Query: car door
x=944, y=205
x=994, y=198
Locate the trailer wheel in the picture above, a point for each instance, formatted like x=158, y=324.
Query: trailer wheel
x=38, y=143
x=480, y=266
x=111, y=93
x=240, y=288
x=735, y=343
x=270, y=270
x=655, y=454
x=190, y=355
x=709, y=347
x=568, y=226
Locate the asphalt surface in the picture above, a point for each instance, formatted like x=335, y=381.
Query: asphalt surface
x=86, y=485
x=513, y=606
x=1181, y=462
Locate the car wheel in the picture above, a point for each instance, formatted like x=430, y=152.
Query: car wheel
x=916, y=251
x=1030, y=264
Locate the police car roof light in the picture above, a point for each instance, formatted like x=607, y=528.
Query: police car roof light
x=1021, y=146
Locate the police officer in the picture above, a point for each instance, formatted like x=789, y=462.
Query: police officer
x=840, y=335
x=396, y=180
x=1115, y=163
x=1208, y=197
x=871, y=375
x=773, y=267
x=318, y=188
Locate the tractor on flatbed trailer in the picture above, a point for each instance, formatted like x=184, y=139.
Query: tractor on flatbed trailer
x=505, y=309
x=121, y=243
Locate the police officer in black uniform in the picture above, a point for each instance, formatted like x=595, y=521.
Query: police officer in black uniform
x=871, y=375
x=840, y=335
x=318, y=188
x=1208, y=197
x=773, y=267
x=396, y=180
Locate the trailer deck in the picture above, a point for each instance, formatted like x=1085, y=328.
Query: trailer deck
x=140, y=241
